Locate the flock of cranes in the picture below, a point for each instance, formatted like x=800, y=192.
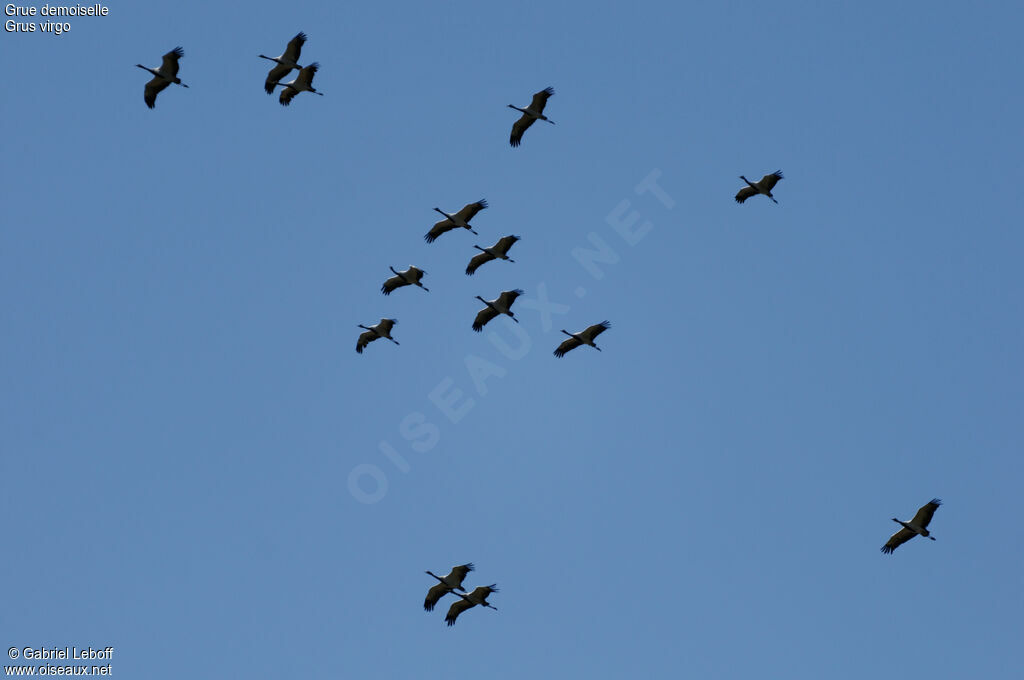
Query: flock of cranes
x=413, y=276
x=288, y=61
x=167, y=74
x=493, y=308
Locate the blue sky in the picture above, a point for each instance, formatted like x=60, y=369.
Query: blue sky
x=183, y=409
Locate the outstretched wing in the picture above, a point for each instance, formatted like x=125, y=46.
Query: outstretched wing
x=541, y=99
x=567, y=346
x=153, y=88
x=508, y=297
x=306, y=73
x=393, y=283
x=478, y=260
x=459, y=573
x=274, y=77
x=438, y=229
x=768, y=182
x=480, y=593
x=471, y=209
x=897, y=539
x=518, y=128
x=745, y=193
x=365, y=339
x=169, y=68
x=386, y=325
x=435, y=594
x=595, y=330
x=924, y=514
x=287, y=95
x=504, y=243
x=482, y=317
x=294, y=49
x=457, y=608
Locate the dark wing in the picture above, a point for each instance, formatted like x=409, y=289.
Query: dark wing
x=386, y=325
x=481, y=592
x=438, y=229
x=540, y=99
x=275, y=76
x=306, y=74
x=504, y=243
x=508, y=297
x=595, y=330
x=393, y=283
x=924, y=514
x=478, y=260
x=435, y=594
x=569, y=345
x=365, y=339
x=482, y=317
x=153, y=88
x=459, y=572
x=897, y=539
x=294, y=49
x=745, y=193
x=170, y=66
x=471, y=209
x=287, y=94
x=519, y=127
x=768, y=182
x=457, y=608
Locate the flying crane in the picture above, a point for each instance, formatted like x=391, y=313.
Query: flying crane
x=584, y=337
x=499, y=251
x=285, y=63
x=477, y=597
x=500, y=305
x=453, y=581
x=459, y=219
x=762, y=186
x=163, y=76
x=915, y=527
x=380, y=330
x=534, y=112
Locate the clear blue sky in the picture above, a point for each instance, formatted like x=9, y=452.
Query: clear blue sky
x=183, y=409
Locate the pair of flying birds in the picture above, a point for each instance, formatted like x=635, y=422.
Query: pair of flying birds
x=452, y=583
x=285, y=63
